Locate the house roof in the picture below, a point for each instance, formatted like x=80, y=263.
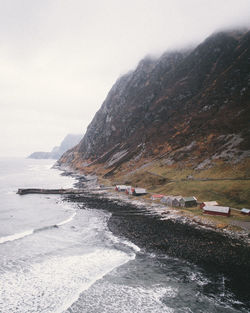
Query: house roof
x=169, y=197
x=244, y=210
x=213, y=208
x=165, y=198
x=211, y=203
x=122, y=186
x=187, y=199
x=140, y=190
x=177, y=197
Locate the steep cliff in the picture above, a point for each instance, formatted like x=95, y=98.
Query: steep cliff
x=187, y=109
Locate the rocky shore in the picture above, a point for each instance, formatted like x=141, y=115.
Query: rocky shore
x=217, y=253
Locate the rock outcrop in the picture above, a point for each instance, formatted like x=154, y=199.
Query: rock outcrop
x=187, y=107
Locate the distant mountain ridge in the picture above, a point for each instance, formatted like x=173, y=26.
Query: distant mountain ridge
x=68, y=142
x=189, y=108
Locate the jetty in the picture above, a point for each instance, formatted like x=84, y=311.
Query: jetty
x=25, y=191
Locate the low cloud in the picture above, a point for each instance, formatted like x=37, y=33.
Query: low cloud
x=59, y=59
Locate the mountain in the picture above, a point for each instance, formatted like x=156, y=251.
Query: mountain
x=187, y=111
x=40, y=155
x=68, y=142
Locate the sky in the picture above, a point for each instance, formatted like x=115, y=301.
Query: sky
x=60, y=58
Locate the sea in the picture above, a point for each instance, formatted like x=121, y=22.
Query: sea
x=57, y=257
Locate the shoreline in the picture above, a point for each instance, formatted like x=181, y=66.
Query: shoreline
x=215, y=252
x=234, y=228
x=156, y=229
x=90, y=183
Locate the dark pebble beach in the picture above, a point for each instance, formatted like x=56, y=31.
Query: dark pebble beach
x=214, y=252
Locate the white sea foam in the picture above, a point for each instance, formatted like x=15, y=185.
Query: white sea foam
x=131, y=245
x=16, y=236
x=32, y=231
x=67, y=220
x=118, y=240
x=54, y=284
x=120, y=298
x=200, y=279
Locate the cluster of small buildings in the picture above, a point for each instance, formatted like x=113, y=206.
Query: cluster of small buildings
x=179, y=201
x=131, y=190
x=210, y=207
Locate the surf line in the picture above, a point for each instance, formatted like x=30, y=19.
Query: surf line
x=32, y=231
x=67, y=220
x=16, y=236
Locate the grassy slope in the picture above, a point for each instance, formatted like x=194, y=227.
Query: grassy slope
x=169, y=180
x=158, y=177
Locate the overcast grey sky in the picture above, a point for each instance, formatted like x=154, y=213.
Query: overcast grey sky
x=59, y=58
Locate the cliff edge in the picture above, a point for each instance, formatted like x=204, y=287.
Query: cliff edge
x=185, y=113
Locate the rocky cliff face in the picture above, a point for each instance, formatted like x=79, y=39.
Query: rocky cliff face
x=187, y=107
x=68, y=142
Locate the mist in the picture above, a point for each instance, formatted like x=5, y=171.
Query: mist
x=59, y=59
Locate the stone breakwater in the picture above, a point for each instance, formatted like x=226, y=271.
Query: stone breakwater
x=217, y=253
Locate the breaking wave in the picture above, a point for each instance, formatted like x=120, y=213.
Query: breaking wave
x=32, y=231
x=54, y=284
x=16, y=236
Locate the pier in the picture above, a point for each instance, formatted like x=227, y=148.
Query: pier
x=25, y=191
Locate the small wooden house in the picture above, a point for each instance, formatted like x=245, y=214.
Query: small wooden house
x=245, y=211
x=139, y=191
x=156, y=197
x=170, y=200
x=188, y=202
x=208, y=203
x=176, y=201
x=121, y=187
x=167, y=200
x=216, y=210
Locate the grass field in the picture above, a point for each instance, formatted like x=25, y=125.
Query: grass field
x=235, y=194
x=172, y=180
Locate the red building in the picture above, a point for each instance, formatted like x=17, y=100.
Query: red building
x=216, y=210
x=157, y=197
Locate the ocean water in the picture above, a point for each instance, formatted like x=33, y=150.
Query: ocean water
x=56, y=257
